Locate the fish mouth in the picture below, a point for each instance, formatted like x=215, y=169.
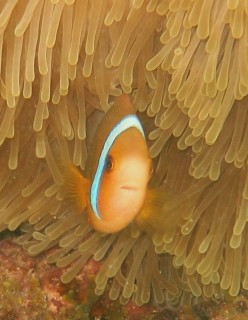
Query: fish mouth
x=131, y=188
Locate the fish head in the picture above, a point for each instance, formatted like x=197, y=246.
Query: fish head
x=123, y=184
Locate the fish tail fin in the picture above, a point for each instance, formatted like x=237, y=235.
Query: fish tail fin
x=75, y=187
x=162, y=210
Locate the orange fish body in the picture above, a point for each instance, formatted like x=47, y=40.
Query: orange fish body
x=114, y=190
x=119, y=169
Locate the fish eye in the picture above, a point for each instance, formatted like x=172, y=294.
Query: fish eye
x=109, y=165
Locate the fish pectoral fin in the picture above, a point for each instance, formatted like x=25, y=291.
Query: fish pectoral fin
x=150, y=215
x=163, y=209
x=75, y=187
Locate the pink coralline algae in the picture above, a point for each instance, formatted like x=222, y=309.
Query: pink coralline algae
x=31, y=289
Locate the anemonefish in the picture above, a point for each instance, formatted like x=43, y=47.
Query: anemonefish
x=113, y=189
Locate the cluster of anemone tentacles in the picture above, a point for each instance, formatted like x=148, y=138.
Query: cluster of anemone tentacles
x=185, y=65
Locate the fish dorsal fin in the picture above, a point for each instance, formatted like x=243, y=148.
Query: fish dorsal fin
x=121, y=108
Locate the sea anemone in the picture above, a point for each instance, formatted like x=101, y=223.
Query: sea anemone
x=185, y=65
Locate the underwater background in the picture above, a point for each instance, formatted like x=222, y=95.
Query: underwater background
x=184, y=65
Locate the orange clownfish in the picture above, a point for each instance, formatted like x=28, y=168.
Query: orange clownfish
x=118, y=169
